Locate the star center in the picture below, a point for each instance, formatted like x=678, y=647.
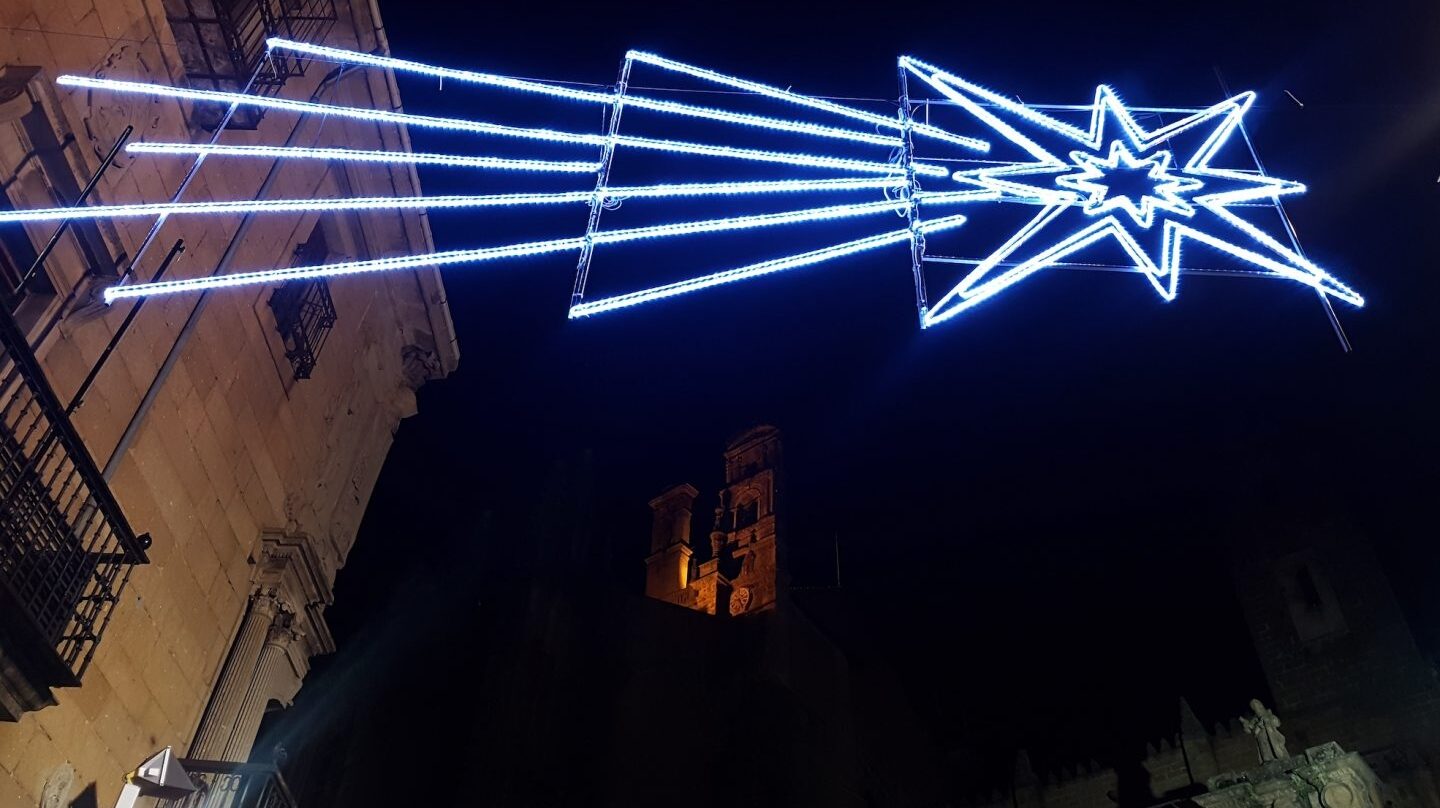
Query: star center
x=1124, y=181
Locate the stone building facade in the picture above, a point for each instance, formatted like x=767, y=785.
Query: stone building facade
x=243, y=432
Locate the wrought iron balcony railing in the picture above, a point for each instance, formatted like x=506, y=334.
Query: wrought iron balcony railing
x=66, y=550
x=233, y=785
x=304, y=314
x=222, y=43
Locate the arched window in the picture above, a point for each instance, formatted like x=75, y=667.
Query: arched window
x=747, y=512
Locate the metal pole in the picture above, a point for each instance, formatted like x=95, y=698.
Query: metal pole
x=602, y=181
x=142, y=411
x=1289, y=228
x=912, y=208
x=79, y=398
x=159, y=222
x=192, y=172
x=65, y=225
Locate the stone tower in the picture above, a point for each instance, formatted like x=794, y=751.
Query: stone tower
x=739, y=573
x=1340, y=659
x=667, y=568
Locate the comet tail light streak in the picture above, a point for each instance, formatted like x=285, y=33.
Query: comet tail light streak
x=1119, y=180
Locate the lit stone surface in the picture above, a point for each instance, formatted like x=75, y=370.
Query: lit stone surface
x=251, y=483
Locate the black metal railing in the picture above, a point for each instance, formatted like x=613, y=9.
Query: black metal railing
x=66, y=550
x=304, y=314
x=233, y=785
x=222, y=43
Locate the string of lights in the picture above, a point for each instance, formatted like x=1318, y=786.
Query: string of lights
x=365, y=156
x=774, y=265
x=525, y=85
x=440, y=202
x=1111, y=181
x=509, y=251
x=1084, y=202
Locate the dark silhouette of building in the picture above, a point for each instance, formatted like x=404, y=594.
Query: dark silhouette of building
x=556, y=688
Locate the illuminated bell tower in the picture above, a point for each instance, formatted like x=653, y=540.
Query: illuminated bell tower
x=740, y=573
x=741, y=576
x=667, y=568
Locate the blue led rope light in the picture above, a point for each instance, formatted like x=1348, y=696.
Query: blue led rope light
x=1079, y=206
x=366, y=156
x=806, y=101
x=509, y=251
x=763, y=268
x=698, y=189
x=638, y=102
x=602, y=179
x=1085, y=192
x=912, y=192
x=484, y=128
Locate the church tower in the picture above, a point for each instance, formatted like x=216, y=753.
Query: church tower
x=740, y=573
x=1334, y=644
x=667, y=568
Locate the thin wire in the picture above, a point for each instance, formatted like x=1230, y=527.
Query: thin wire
x=1289, y=227
x=886, y=101
x=1097, y=267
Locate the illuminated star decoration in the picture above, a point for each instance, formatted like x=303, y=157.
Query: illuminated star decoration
x=1123, y=182
x=1148, y=191
x=861, y=163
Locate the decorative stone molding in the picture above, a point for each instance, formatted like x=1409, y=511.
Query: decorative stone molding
x=58, y=785
x=420, y=364
x=1324, y=776
x=283, y=628
x=288, y=564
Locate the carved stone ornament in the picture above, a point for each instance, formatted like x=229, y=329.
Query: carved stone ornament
x=740, y=600
x=58, y=786
x=1265, y=726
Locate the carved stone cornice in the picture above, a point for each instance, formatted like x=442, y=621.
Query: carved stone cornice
x=288, y=566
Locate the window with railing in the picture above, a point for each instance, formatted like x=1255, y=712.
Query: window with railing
x=304, y=314
x=66, y=550
x=304, y=311
x=222, y=44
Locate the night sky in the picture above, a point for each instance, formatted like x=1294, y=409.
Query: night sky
x=1035, y=501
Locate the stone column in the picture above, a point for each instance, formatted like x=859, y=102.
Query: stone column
x=224, y=709
x=273, y=677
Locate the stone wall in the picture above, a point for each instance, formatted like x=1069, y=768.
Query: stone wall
x=1335, y=647
x=1172, y=767
x=235, y=449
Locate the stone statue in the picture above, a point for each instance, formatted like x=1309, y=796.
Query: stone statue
x=1265, y=726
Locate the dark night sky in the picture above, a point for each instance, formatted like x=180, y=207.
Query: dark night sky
x=1035, y=498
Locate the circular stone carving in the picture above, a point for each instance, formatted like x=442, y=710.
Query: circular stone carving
x=57, y=786
x=1338, y=795
x=740, y=601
